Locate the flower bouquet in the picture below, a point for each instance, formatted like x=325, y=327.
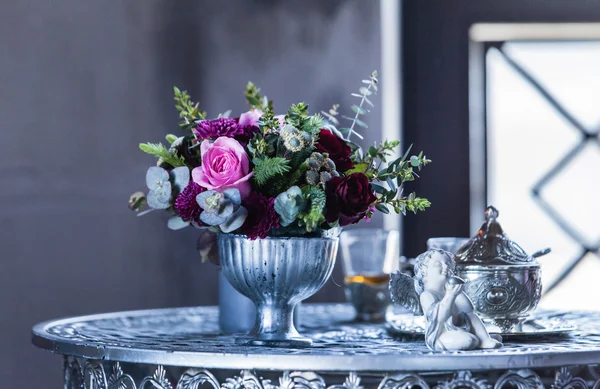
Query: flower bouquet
x=274, y=190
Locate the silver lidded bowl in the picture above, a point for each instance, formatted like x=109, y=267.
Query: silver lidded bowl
x=504, y=282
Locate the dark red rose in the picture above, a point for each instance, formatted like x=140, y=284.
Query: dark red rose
x=348, y=198
x=338, y=150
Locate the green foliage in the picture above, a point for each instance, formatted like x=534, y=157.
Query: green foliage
x=411, y=203
x=314, y=216
x=360, y=109
x=161, y=152
x=267, y=168
x=283, y=182
x=301, y=157
x=188, y=110
x=171, y=138
x=388, y=182
x=314, y=124
x=298, y=117
x=297, y=114
x=331, y=114
x=268, y=123
x=255, y=99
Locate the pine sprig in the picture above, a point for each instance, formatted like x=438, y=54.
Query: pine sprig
x=313, y=124
x=283, y=182
x=364, y=93
x=267, y=168
x=314, y=217
x=162, y=153
x=189, y=113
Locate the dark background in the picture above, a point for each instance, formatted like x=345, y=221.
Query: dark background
x=83, y=82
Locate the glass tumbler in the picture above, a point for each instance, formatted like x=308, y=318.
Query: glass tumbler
x=450, y=243
x=368, y=258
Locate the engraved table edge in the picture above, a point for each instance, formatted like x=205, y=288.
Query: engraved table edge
x=91, y=374
x=400, y=362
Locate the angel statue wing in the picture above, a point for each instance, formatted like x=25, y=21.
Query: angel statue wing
x=402, y=290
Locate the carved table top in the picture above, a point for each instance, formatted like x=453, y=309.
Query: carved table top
x=190, y=337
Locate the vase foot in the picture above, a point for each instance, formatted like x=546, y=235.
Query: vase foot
x=296, y=341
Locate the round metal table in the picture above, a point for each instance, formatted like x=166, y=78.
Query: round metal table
x=182, y=348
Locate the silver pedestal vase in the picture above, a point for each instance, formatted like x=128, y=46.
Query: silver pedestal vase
x=277, y=273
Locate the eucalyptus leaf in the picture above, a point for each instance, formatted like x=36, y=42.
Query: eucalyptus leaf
x=207, y=246
x=359, y=110
x=201, y=198
x=414, y=161
x=364, y=91
x=391, y=184
x=382, y=208
x=154, y=203
x=369, y=102
x=212, y=219
x=235, y=220
x=181, y=177
x=233, y=195
x=155, y=176
x=377, y=187
x=163, y=192
x=177, y=223
x=407, y=152
x=360, y=123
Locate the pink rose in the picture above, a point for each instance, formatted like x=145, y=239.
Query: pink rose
x=250, y=118
x=281, y=120
x=224, y=165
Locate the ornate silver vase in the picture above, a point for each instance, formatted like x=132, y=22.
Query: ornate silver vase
x=277, y=273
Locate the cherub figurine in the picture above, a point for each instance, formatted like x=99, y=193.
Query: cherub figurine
x=450, y=323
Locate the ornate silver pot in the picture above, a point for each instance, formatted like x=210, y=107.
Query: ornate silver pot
x=504, y=282
x=277, y=273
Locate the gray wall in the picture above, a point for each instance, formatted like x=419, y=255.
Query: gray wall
x=81, y=84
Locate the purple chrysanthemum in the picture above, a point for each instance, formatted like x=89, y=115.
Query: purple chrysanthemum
x=186, y=205
x=214, y=128
x=261, y=216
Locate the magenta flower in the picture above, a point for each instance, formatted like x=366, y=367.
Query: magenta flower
x=214, y=128
x=261, y=216
x=186, y=205
x=250, y=118
x=225, y=165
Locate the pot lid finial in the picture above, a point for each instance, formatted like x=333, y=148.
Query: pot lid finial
x=491, y=246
